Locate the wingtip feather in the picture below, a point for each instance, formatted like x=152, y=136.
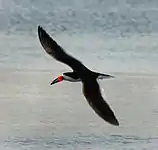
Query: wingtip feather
x=115, y=122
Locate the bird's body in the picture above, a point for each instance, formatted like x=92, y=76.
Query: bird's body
x=71, y=76
x=74, y=77
x=91, y=89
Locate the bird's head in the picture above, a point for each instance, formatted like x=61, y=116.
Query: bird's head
x=58, y=79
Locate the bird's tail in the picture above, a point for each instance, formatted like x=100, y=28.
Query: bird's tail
x=103, y=76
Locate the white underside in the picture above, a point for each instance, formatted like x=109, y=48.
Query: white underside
x=67, y=78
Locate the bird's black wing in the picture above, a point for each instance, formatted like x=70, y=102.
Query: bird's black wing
x=92, y=93
x=55, y=50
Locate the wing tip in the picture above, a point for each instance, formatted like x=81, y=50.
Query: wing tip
x=45, y=40
x=44, y=37
x=115, y=122
x=48, y=43
x=41, y=32
x=40, y=29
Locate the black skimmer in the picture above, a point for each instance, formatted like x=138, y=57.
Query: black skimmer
x=73, y=77
x=91, y=89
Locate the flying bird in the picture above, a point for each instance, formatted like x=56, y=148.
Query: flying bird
x=90, y=86
x=73, y=77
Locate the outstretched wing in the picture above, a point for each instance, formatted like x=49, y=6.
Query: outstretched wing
x=92, y=93
x=56, y=51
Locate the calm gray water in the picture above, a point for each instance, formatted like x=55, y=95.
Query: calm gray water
x=117, y=36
